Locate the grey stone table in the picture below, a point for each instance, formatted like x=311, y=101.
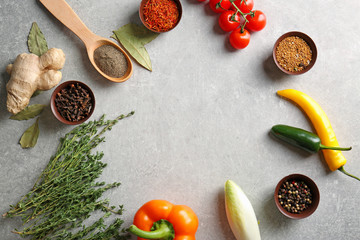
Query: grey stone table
x=202, y=116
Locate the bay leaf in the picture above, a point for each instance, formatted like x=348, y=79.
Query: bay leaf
x=37, y=92
x=37, y=45
x=30, y=136
x=36, y=41
x=29, y=112
x=133, y=37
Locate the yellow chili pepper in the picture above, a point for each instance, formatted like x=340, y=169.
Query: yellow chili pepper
x=334, y=158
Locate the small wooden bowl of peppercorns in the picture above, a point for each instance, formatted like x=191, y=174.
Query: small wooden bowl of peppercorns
x=296, y=196
x=72, y=102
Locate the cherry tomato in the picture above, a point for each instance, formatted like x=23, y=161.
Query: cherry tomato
x=245, y=6
x=226, y=23
x=257, y=22
x=225, y=5
x=238, y=39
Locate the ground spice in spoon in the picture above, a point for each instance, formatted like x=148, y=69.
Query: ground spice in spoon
x=111, y=61
x=293, y=54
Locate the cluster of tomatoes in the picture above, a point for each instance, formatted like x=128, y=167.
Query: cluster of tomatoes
x=238, y=18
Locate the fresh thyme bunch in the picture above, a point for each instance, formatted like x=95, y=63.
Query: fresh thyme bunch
x=66, y=193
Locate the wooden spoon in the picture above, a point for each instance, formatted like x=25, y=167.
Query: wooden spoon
x=64, y=13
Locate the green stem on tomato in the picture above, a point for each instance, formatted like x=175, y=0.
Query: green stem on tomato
x=243, y=28
x=251, y=13
x=218, y=5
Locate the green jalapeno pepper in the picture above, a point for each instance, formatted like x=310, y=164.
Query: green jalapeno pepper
x=301, y=138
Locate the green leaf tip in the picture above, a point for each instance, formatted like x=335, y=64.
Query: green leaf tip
x=29, y=112
x=36, y=41
x=133, y=38
x=30, y=136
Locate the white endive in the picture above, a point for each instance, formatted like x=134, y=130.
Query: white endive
x=240, y=213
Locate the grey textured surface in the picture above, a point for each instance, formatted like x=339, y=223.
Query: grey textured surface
x=203, y=114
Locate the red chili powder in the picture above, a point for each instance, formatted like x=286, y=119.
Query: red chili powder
x=161, y=15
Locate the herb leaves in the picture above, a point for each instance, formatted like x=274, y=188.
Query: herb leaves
x=36, y=41
x=30, y=136
x=133, y=38
x=37, y=45
x=29, y=112
x=66, y=193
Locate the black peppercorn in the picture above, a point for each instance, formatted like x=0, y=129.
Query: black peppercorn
x=294, y=196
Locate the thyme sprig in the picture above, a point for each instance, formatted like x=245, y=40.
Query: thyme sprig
x=66, y=193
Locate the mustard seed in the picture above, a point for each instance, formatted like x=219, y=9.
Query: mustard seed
x=293, y=54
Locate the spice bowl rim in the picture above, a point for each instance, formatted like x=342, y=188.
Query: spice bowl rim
x=55, y=110
x=307, y=39
x=315, y=194
x=141, y=15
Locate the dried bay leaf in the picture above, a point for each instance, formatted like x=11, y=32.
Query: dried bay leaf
x=30, y=136
x=36, y=40
x=29, y=112
x=37, y=92
x=133, y=38
x=37, y=44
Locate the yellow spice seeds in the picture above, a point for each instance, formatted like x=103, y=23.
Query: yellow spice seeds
x=293, y=54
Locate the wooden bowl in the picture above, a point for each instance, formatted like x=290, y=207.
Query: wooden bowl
x=308, y=40
x=55, y=111
x=314, y=191
x=141, y=13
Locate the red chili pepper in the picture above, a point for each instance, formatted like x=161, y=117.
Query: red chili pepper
x=160, y=219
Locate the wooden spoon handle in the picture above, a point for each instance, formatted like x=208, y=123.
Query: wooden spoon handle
x=65, y=14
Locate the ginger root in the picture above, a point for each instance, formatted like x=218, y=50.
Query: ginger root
x=30, y=73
